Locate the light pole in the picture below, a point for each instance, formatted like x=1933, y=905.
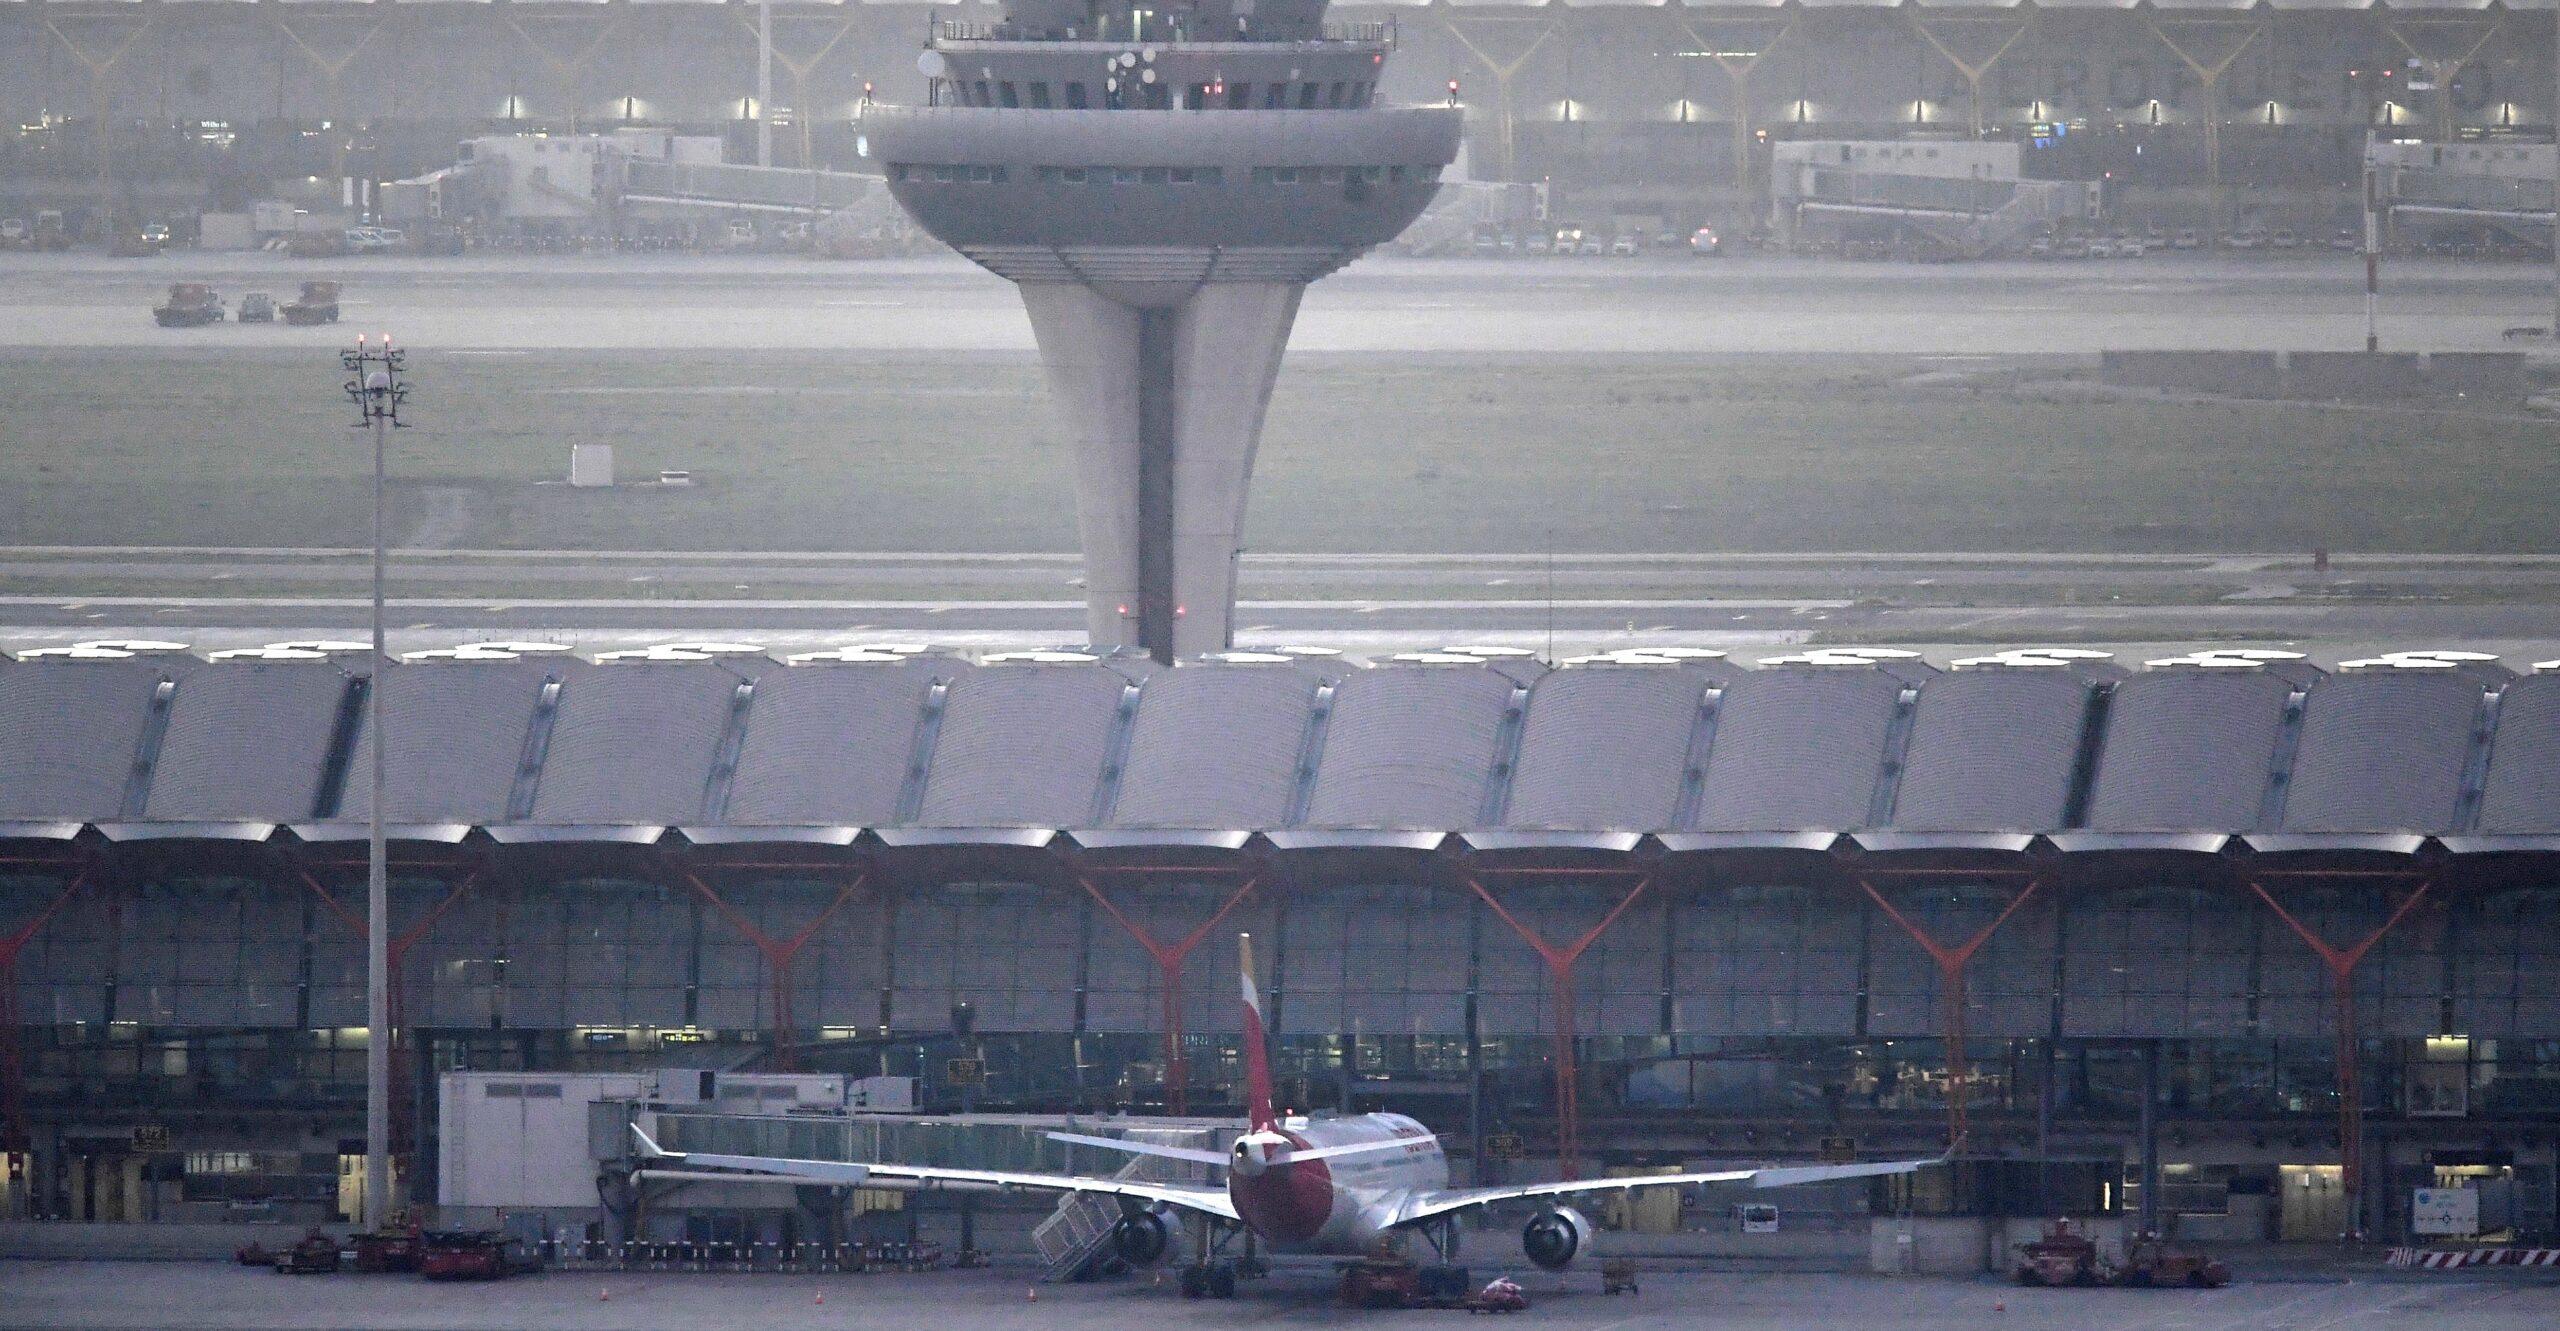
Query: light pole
x=374, y=386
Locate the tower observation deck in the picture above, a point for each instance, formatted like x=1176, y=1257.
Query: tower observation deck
x=1161, y=183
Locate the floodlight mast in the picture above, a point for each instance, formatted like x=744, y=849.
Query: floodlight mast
x=375, y=387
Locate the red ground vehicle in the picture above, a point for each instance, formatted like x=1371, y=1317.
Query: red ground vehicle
x=1498, y=1296
x=462, y=1254
x=2064, y=1256
x=387, y=1250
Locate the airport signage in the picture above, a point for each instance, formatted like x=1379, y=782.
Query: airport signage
x=1839, y=1150
x=965, y=1071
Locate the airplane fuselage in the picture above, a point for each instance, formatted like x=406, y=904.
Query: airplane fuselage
x=1339, y=1206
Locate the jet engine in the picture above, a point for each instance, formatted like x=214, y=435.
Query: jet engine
x=1554, y=1239
x=1141, y=1238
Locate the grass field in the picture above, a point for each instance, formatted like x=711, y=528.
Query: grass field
x=836, y=452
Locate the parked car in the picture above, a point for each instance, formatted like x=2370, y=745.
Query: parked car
x=14, y=232
x=156, y=234
x=1705, y=243
x=2132, y=247
x=2188, y=238
x=2283, y=238
x=1625, y=246
x=2040, y=248
x=1568, y=238
x=2099, y=247
x=257, y=308
x=2346, y=241
x=2073, y=247
x=2247, y=238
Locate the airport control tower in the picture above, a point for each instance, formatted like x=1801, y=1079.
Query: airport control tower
x=1162, y=180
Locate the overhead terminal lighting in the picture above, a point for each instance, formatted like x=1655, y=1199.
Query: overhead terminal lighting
x=715, y=648
x=2251, y=654
x=1309, y=651
x=266, y=654
x=1683, y=653
x=843, y=655
x=1490, y=652
x=1870, y=653
x=74, y=654
x=322, y=645
x=2397, y=662
x=1251, y=658
x=1435, y=658
x=648, y=654
x=893, y=648
x=524, y=648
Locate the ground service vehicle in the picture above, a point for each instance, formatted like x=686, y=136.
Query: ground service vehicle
x=1362, y=1186
x=2063, y=1256
x=190, y=305
x=462, y=1254
x=2150, y=1262
x=315, y=1255
x=257, y=308
x=318, y=305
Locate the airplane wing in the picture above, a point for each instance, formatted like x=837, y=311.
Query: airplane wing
x=1426, y=1205
x=1187, y=1196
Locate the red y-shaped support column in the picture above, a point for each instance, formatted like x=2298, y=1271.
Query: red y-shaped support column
x=13, y=1109
x=403, y=1138
x=1560, y=962
x=779, y=953
x=1170, y=959
x=2341, y=963
x=1952, y=963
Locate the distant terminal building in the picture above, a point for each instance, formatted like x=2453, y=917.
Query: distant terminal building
x=2272, y=945
x=1626, y=108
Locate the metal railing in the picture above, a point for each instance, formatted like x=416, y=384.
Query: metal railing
x=2491, y=194
x=750, y=186
x=939, y=29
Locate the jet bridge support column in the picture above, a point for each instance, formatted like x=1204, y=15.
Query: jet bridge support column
x=1952, y=962
x=1170, y=958
x=1560, y=962
x=2341, y=963
x=778, y=953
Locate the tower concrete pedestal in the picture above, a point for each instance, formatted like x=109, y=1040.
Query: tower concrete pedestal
x=1164, y=405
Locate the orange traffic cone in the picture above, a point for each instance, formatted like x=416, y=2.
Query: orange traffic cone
x=604, y=1296
x=822, y=1296
x=1031, y=1294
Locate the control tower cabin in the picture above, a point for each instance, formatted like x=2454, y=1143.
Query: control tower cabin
x=1162, y=183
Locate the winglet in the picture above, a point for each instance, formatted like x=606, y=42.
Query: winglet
x=1257, y=1046
x=649, y=1147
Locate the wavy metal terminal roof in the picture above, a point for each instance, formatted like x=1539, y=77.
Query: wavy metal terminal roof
x=1686, y=752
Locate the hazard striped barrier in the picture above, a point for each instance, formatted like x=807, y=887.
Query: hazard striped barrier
x=2444, y=1259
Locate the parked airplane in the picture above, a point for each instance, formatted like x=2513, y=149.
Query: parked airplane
x=1361, y=1185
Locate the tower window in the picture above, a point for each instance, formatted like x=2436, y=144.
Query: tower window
x=1275, y=96
x=984, y=97
x=1039, y=95
x=1306, y=96
x=1075, y=97
x=1004, y=92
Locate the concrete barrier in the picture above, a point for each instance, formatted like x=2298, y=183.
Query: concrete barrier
x=2494, y=375
x=2354, y=376
x=2231, y=373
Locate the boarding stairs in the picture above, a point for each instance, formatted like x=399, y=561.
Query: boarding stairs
x=1074, y=1234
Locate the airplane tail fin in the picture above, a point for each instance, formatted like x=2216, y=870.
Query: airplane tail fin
x=1257, y=1047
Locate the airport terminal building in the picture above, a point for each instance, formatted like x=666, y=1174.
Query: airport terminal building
x=1639, y=909
x=1626, y=107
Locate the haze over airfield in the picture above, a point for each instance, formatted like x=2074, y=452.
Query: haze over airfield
x=1706, y=447
x=1385, y=304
